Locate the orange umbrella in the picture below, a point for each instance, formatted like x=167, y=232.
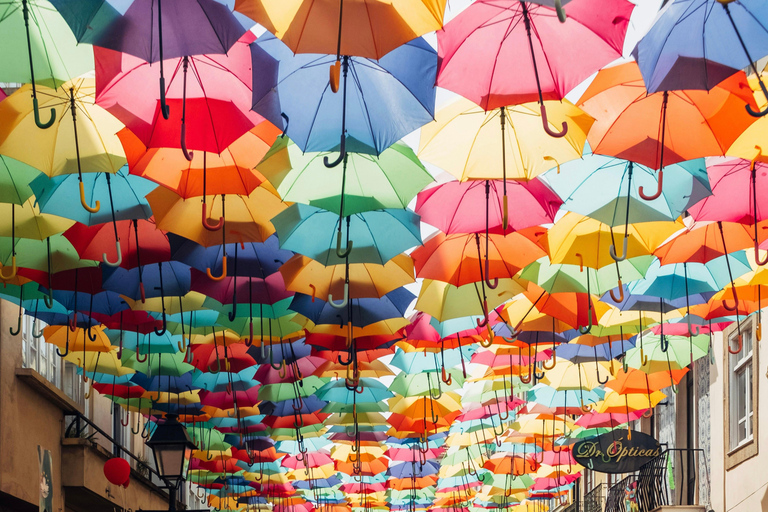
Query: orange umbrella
x=459, y=259
x=664, y=127
x=367, y=468
x=705, y=241
x=637, y=381
x=231, y=172
x=509, y=464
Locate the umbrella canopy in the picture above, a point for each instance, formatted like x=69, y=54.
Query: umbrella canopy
x=302, y=93
x=370, y=31
x=491, y=41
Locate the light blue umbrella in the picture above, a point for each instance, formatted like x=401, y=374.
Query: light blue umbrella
x=600, y=187
x=376, y=236
x=385, y=99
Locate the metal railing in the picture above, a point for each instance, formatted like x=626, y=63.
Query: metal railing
x=617, y=494
x=672, y=478
x=595, y=499
x=80, y=425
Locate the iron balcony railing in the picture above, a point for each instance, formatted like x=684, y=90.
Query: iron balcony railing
x=594, y=500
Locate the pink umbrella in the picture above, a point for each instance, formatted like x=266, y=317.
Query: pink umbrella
x=311, y=459
x=498, y=52
x=733, y=180
x=215, y=103
x=459, y=207
x=305, y=365
x=224, y=400
x=607, y=419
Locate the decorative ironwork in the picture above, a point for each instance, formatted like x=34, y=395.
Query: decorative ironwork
x=615, y=501
x=595, y=499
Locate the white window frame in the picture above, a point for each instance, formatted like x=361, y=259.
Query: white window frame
x=741, y=366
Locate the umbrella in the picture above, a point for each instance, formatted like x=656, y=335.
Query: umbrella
x=15, y=177
x=231, y=172
x=370, y=31
x=378, y=236
x=302, y=94
x=456, y=207
x=209, y=110
x=309, y=277
x=680, y=50
x=50, y=47
x=204, y=27
x=665, y=127
x=485, y=41
x=390, y=180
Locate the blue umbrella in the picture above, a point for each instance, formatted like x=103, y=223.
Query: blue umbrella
x=696, y=44
x=255, y=259
x=385, y=100
x=174, y=280
x=363, y=311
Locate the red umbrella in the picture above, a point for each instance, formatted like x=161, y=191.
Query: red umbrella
x=289, y=422
x=305, y=365
x=142, y=242
x=312, y=459
x=214, y=102
x=211, y=357
x=459, y=207
x=262, y=291
x=498, y=53
x=225, y=400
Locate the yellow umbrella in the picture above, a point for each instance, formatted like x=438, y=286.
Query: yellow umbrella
x=444, y=301
x=567, y=375
x=578, y=240
x=78, y=341
x=383, y=327
x=246, y=218
x=101, y=362
x=464, y=140
x=54, y=150
x=26, y=221
x=307, y=276
x=192, y=301
x=618, y=403
x=756, y=134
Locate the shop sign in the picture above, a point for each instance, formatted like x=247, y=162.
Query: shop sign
x=619, y=451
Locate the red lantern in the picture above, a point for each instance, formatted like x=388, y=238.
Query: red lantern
x=117, y=471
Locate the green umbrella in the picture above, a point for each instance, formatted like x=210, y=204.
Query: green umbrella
x=157, y=364
x=56, y=55
x=656, y=353
x=15, y=177
x=287, y=391
x=561, y=278
x=34, y=254
x=390, y=180
x=342, y=408
x=207, y=438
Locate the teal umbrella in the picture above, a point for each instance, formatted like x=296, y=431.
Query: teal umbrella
x=602, y=187
x=376, y=236
x=373, y=391
x=677, y=280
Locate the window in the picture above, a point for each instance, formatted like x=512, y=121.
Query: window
x=740, y=393
x=43, y=358
x=37, y=354
x=740, y=403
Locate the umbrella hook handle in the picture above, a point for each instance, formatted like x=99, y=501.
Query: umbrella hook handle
x=183, y=142
x=342, y=154
x=223, y=270
x=586, y=330
x=339, y=252
x=752, y=112
x=18, y=326
x=740, y=341
x=344, y=301
x=484, y=321
x=208, y=225
x=35, y=333
x=14, y=270
x=89, y=332
x=545, y=121
x=495, y=282
x=620, y=298
x=66, y=348
x=119, y=260
x=50, y=122
x=612, y=251
x=642, y=194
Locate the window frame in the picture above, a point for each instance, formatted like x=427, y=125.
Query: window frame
x=747, y=365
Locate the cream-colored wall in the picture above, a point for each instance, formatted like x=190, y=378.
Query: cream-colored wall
x=27, y=420
x=744, y=488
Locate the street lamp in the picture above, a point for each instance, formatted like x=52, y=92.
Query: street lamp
x=171, y=447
